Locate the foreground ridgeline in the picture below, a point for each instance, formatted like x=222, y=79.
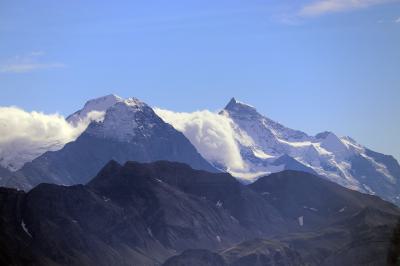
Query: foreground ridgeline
x=166, y=213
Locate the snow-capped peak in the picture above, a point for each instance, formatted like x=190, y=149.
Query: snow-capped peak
x=341, y=160
x=246, y=115
x=100, y=104
x=102, y=101
x=124, y=120
x=235, y=107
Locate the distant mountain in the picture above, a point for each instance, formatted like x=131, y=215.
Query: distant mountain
x=130, y=130
x=271, y=147
x=151, y=213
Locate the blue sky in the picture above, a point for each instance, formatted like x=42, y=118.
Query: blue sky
x=311, y=65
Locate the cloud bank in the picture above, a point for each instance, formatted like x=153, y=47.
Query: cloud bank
x=213, y=135
x=322, y=7
x=26, y=135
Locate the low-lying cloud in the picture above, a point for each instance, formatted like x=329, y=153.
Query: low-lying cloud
x=26, y=135
x=212, y=134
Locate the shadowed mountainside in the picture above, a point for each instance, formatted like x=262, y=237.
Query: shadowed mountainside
x=151, y=213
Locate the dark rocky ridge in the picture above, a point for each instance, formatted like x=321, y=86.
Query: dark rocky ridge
x=318, y=201
x=221, y=189
x=339, y=226
x=143, y=214
x=196, y=257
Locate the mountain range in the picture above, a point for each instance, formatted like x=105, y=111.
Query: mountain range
x=136, y=188
x=130, y=130
x=166, y=213
x=274, y=147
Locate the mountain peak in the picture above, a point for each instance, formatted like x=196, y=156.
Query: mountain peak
x=324, y=135
x=125, y=120
x=235, y=106
x=100, y=104
x=109, y=97
x=231, y=103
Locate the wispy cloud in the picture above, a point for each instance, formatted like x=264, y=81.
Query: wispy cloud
x=27, y=63
x=397, y=20
x=322, y=7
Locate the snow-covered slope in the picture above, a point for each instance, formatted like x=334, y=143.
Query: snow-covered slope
x=99, y=104
x=124, y=120
x=339, y=159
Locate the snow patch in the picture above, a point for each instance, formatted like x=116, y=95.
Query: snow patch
x=310, y=208
x=368, y=189
x=262, y=155
x=23, y=225
x=301, y=220
x=150, y=232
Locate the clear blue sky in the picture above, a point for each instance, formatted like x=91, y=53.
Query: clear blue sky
x=312, y=65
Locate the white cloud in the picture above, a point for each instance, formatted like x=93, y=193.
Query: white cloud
x=26, y=135
x=321, y=7
x=213, y=135
x=397, y=20
x=27, y=63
